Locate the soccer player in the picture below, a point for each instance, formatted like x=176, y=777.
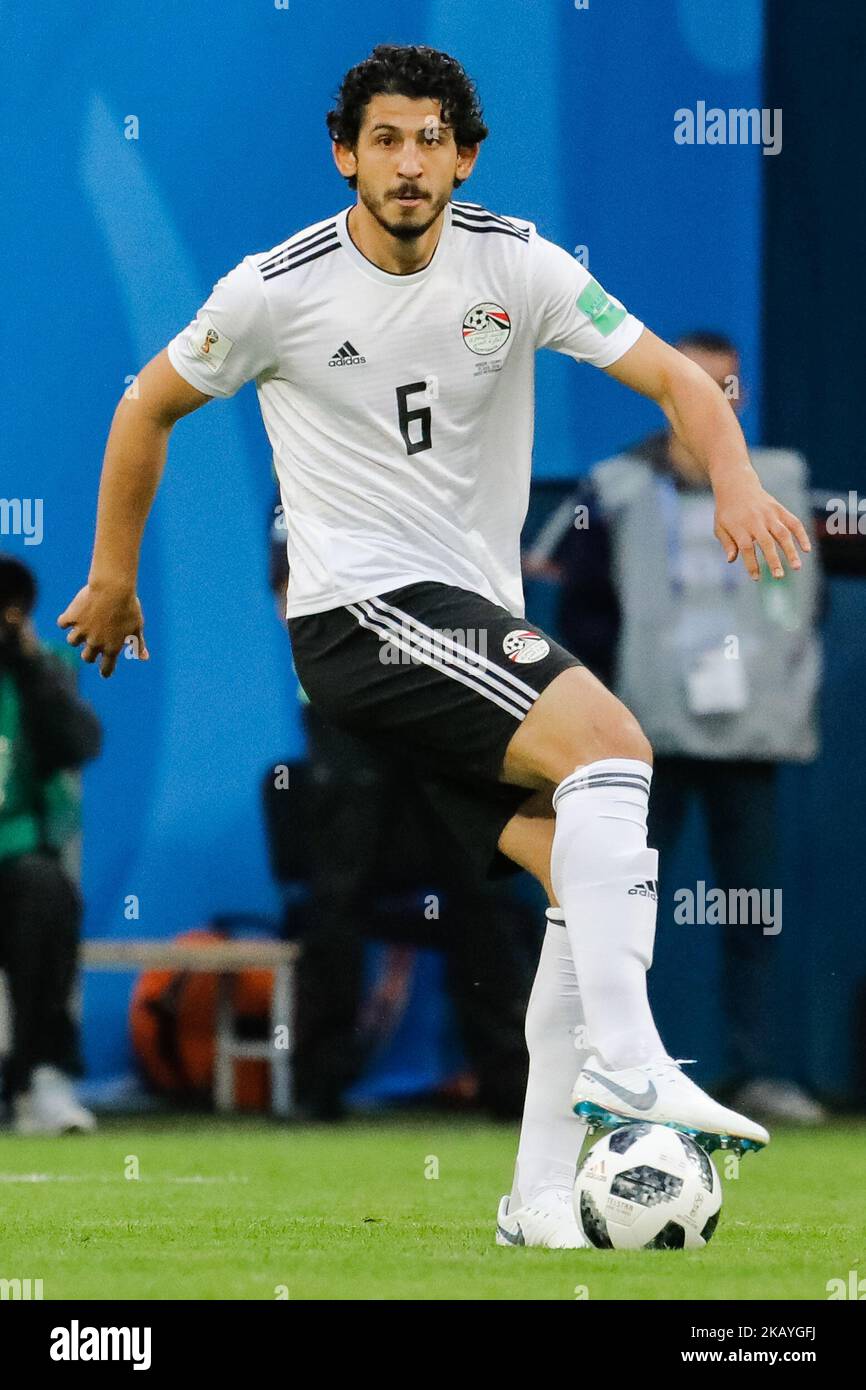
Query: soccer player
x=392, y=346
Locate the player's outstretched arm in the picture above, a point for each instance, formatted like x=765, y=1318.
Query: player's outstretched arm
x=747, y=517
x=107, y=610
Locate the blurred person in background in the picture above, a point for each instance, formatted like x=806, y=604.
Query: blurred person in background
x=723, y=676
x=360, y=803
x=46, y=732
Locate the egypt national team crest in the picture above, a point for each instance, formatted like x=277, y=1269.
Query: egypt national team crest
x=524, y=646
x=486, y=328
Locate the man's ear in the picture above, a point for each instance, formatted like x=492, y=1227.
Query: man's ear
x=344, y=158
x=466, y=157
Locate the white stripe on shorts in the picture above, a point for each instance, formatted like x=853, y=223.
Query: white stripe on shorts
x=498, y=673
x=455, y=666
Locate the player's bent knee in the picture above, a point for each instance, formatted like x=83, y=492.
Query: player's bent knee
x=618, y=736
x=630, y=741
x=576, y=721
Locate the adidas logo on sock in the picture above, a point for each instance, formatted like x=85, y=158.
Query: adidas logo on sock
x=347, y=356
x=647, y=888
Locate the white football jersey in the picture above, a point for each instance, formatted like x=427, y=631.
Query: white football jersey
x=400, y=407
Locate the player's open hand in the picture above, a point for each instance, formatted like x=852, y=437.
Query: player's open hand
x=101, y=619
x=749, y=520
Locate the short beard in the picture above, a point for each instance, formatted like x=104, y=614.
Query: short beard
x=401, y=231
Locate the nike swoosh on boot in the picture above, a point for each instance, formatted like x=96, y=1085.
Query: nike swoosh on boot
x=640, y=1100
x=519, y=1239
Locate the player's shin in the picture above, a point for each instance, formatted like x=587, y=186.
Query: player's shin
x=550, y=1136
x=605, y=878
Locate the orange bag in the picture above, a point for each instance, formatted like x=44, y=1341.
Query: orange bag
x=173, y=1024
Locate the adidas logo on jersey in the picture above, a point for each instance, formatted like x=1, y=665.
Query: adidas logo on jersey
x=648, y=888
x=347, y=356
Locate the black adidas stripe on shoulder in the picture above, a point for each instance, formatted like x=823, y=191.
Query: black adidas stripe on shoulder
x=296, y=242
x=473, y=217
x=300, y=249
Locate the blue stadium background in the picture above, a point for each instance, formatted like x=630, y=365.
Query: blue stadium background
x=115, y=242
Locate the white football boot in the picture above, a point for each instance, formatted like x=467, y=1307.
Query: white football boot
x=659, y=1093
x=548, y=1220
x=50, y=1106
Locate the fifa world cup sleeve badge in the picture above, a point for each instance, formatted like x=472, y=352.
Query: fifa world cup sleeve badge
x=209, y=344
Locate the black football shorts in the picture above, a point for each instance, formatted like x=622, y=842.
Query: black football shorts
x=440, y=677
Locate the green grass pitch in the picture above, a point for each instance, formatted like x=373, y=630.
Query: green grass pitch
x=388, y=1209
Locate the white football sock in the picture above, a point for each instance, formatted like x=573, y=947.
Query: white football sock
x=606, y=880
x=551, y=1135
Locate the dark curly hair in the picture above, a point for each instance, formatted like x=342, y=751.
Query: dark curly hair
x=17, y=585
x=409, y=70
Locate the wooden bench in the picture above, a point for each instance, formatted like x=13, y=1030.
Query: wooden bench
x=224, y=959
